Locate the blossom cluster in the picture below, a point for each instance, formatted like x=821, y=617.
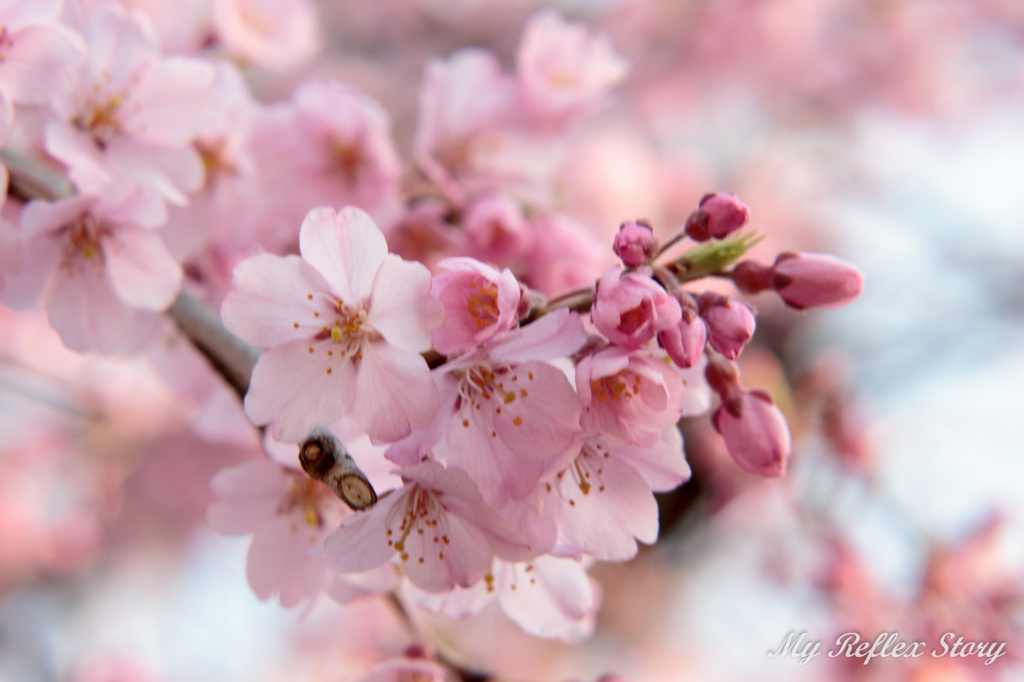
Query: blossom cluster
x=463, y=399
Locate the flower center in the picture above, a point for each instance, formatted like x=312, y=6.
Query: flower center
x=482, y=304
x=101, y=119
x=616, y=387
x=82, y=243
x=420, y=522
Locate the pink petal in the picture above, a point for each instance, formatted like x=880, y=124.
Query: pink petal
x=617, y=507
x=542, y=419
x=550, y=597
x=395, y=391
x=25, y=289
x=17, y=13
x=277, y=561
x=40, y=62
x=361, y=544
x=269, y=295
x=77, y=151
x=170, y=172
x=89, y=317
x=557, y=334
x=292, y=390
x=662, y=465
x=458, y=603
x=346, y=247
x=240, y=518
x=119, y=43
x=401, y=307
x=258, y=478
x=463, y=561
x=172, y=102
x=141, y=270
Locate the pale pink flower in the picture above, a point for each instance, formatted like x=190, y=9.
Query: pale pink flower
x=564, y=69
x=329, y=145
x=345, y=319
x=469, y=137
x=507, y=416
x=605, y=498
x=437, y=526
x=631, y=396
x=132, y=113
x=479, y=303
x=38, y=56
x=497, y=230
x=288, y=514
x=100, y=270
x=274, y=34
x=630, y=308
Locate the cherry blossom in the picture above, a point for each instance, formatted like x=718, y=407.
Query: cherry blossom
x=275, y=34
x=479, y=303
x=345, y=319
x=437, y=526
x=132, y=113
x=99, y=268
x=38, y=55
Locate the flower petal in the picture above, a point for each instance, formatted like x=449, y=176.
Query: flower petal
x=141, y=270
x=395, y=392
x=346, y=247
x=401, y=307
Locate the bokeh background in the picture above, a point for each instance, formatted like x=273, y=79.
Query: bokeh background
x=888, y=132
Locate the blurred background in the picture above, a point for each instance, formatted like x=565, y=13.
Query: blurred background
x=887, y=132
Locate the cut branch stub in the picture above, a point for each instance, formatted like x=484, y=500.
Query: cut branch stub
x=325, y=459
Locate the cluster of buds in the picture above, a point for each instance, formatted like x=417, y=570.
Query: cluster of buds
x=647, y=303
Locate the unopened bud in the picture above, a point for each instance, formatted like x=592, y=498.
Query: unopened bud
x=717, y=217
x=685, y=342
x=635, y=243
x=755, y=433
x=806, y=280
x=751, y=278
x=730, y=323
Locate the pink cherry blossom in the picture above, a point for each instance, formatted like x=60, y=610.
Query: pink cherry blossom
x=275, y=34
x=730, y=323
x=132, y=113
x=507, y=416
x=755, y=433
x=100, y=270
x=38, y=56
x=437, y=526
x=345, y=319
x=469, y=138
x=288, y=514
x=685, y=342
x=479, y=303
x=631, y=396
x=497, y=230
x=564, y=69
x=635, y=243
x=329, y=145
x=630, y=308
x=718, y=217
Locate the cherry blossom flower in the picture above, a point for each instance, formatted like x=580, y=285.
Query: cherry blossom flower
x=437, y=526
x=288, y=514
x=563, y=68
x=506, y=416
x=132, y=113
x=631, y=396
x=630, y=308
x=345, y=319
x=479, y=303
x=38, y=55
x=99, y=268
x=275, y=34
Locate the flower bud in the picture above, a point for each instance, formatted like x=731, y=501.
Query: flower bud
x=718, y=216
x=635, y=243
x=806, y=280
x=752, y=278
x=685, y=342
x=755, y=433
x=730, y=323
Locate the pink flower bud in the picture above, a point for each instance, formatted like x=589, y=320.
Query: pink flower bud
x=752, y=278
x=730, y=323
x=755, y=433
x=806, y=280
x=685, y=343
x=718, y=216
x=635, y=243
